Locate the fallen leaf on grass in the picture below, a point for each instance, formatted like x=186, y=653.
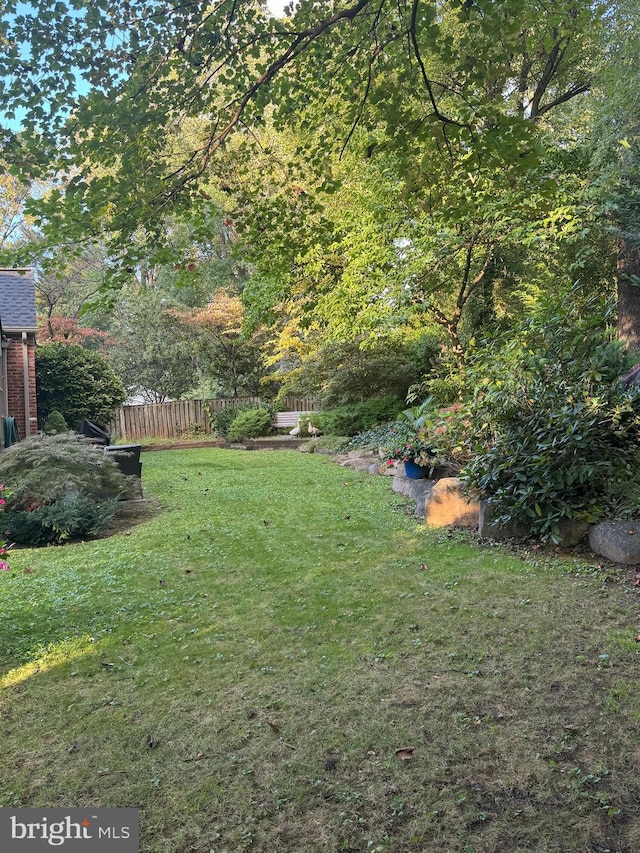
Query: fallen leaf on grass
x=273, y=726
x=405, y=753
x=197, y=757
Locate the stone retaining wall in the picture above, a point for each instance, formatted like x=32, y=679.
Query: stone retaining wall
x=442, y=503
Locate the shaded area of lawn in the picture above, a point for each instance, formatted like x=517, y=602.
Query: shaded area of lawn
x=284, y=661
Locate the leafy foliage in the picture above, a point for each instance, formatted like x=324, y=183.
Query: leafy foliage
x=41, y=471
x=358, y=417
x=221, y=419
x=340, y=372
x=76, y=382
x=60, y=488
x=552, y=429
x=221, y=348
x=250, y=424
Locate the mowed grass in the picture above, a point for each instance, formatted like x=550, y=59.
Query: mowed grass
x=284, y=661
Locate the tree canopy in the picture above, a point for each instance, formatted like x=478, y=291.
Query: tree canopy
x=131, y=100
x=381, y=169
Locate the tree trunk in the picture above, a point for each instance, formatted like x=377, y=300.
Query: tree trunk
x=628, y=279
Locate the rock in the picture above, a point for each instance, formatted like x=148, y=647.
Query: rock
x=416, y=490
x=616, y=540
x=489, y=529
x=571, y=532
x=359, y=460
x=448, y=506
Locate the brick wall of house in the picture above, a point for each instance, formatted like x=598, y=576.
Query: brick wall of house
x=15, y=383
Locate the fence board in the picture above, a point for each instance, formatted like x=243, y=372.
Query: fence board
x=168, y=420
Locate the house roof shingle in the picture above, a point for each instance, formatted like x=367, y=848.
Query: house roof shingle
x=17, y=300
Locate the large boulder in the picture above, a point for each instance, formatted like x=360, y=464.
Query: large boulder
x=618, y=541
x=448, y=506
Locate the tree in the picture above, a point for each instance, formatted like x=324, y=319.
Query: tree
x=14, y=226
x=76, y=382
x=153, y=356
x=129, y=147
x=224, y=352
x=67, y=330
x=616, y=160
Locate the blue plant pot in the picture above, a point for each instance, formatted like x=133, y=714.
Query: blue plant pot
x=415, y=472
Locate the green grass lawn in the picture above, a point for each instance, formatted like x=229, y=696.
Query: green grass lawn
x=284, y=661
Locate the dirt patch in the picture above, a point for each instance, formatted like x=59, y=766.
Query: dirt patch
x=183, y=445
x=130, y=513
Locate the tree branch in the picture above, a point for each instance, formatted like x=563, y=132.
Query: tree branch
x=572, y=92
x=423, y=71
x=301, y=43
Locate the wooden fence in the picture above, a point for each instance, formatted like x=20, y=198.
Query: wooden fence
x=184, y=418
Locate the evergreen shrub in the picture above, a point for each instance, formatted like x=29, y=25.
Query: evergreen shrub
x=77, y=382
x=58, y=487
x=250, y=424
x=55, y=424
x=59, y=522
x=222, y=419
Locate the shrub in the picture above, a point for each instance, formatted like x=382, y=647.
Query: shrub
x=338, y=373
x=59, y=522
x=42, y=470
x=377, y=437
x=445, y=390
x=222, y=419
x=358, y=417
x=55, y=424
x=60, y=487
x=553, y=430
x=250, y=424
x=76, y=382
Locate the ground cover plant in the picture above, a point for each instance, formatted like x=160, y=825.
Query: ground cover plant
x=284, y=661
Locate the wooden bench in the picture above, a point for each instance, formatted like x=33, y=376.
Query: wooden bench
x=282, y=420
